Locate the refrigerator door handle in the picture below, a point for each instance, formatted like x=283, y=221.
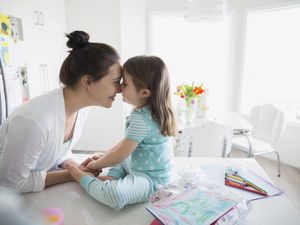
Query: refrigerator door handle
x=3, y=95
x=44, y=78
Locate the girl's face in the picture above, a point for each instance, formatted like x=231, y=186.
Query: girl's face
x=103, y=91
x=129, y=92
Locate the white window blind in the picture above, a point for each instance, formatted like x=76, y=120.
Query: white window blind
x=194, y=52
x=272, y=60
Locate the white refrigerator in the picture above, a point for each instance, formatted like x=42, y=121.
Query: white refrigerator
x=14, y=87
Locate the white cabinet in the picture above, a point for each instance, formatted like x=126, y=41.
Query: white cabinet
x=45, y=52
x=49, y=14
x=52, y=51
x=44, y=41
x=44, y=14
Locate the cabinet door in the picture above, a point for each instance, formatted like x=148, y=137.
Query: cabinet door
x=45, y=53
x=32, y=60
x=52, y=15
x=22, y=9
x=51, y=51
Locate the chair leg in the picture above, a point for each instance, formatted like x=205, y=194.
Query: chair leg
x=278, y=163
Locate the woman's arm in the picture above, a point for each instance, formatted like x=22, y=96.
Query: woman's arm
x=23, y=144
x=63, y=176
x=115, y=155
x=57, y=177
x=69, y=161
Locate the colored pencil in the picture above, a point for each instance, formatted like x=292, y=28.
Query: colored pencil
x=238, y=177
x=235, y=185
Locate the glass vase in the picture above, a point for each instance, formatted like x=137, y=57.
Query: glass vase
x=190, y=111
x=186, y=112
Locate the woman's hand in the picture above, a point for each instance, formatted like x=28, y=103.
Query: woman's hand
x=77, y=173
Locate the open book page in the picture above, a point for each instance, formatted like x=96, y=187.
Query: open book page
x=200, y=205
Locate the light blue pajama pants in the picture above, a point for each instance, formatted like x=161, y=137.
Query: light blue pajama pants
x=130, y=187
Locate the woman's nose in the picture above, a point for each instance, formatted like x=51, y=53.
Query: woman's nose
x=119, y=88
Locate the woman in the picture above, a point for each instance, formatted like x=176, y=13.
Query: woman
x=36, y=140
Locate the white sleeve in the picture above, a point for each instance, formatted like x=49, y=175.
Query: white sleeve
x=69, y=155
x=22, y=146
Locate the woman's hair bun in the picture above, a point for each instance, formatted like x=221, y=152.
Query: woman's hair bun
x=77, y=39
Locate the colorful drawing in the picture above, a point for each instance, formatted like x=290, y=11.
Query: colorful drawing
x=5, y=26
x=194, y=206
x=4, y=51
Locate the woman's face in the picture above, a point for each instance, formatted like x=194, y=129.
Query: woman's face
x=104, y=90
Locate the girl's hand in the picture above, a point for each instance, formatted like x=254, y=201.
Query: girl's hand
x=93, y=165
x=83, y=165
x=85, y=162
x=77, y=173
x=96, y=157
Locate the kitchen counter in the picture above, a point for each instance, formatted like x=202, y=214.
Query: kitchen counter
x=81, y=209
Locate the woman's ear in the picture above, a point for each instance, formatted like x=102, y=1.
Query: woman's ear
x=86, y=81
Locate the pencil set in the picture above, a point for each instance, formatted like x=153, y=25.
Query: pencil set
x=237, y=181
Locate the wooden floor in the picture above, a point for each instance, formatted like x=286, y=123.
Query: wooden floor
x=289, y=181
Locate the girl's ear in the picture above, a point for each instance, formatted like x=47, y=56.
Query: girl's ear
x=145, y=93
x=86, y=81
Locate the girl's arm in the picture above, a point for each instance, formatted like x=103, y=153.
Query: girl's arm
x=95, y=157
x=115, y=155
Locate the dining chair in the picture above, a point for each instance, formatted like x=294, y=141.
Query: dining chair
x=206, y=140
x=268, y=126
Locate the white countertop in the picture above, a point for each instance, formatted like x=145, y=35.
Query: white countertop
x=80, y=209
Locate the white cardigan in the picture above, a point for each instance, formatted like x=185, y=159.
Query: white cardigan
x=31, y=142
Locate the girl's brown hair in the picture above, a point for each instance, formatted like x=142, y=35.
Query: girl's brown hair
x=150, y=72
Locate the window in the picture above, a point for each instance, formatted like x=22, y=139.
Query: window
x=272, y=56
x=194, y=52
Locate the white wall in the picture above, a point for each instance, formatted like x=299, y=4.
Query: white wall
x=125, y=25
x=133, y=30
x=101, y=19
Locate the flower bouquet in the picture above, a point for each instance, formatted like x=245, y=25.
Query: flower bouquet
x=195, y=100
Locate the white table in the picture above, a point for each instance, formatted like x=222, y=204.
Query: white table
x=80, y=209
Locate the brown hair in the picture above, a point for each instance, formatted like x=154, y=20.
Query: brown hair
x=150, y=72
x=93, y=59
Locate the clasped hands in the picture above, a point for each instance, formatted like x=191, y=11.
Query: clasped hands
x=87, y=167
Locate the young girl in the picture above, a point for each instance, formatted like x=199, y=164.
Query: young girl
x=145, y=154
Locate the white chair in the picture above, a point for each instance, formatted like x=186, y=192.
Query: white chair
x=268, y=125
x=206, y=140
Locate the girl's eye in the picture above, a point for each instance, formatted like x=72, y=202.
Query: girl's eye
x=124, y=84
x=117, y=83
